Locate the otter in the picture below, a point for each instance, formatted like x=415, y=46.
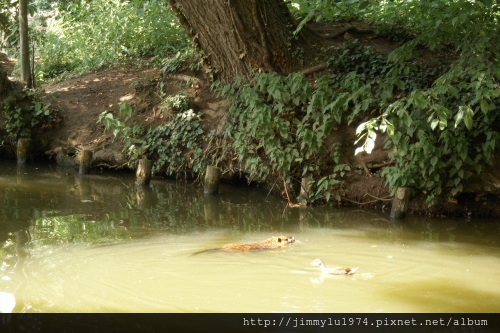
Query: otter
x=270, y=243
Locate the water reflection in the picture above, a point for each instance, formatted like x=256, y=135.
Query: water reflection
x=99, y=243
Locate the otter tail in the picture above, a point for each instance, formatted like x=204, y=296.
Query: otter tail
x=204, y=251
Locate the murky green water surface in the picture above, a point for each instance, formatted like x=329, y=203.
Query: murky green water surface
x=99, y=244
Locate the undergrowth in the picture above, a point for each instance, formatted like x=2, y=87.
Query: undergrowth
x=81, y=36
x=175, y=147
x=23, y=121
x=439, y=119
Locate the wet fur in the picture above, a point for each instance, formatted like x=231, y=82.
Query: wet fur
x=270, y=243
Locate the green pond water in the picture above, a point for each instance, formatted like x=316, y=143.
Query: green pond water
x=100, y=244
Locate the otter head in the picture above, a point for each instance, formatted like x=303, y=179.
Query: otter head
x=284, y=240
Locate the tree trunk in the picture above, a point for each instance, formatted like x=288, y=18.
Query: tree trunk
x=239, y=37
x=24, y=43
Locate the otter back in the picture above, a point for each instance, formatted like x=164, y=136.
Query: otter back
x=271, y=243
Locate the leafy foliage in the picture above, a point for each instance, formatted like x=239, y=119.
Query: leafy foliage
x=9, y=23
x=278, y=128
x=81, y=36
x=328, y=10
x=176, y=103
x=439, y=120
x=441, y=22
x=21, y=123
x=185, y=59
x=175, y=147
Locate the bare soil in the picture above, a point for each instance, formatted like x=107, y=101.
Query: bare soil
x=80, y=101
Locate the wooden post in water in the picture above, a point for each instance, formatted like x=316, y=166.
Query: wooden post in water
x=305, y=189
x=23, y=146
x=85, y=188
x=144, y=197
x=212, y=179
x=400, y=203
x=85, y=161
x=211, y=209
x=143, y=173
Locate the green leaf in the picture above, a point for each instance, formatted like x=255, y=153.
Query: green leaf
x=434, y=160
x=485, y=107
x=442, y=124
x=434, y=123
x=468, y=118
x=459, y=116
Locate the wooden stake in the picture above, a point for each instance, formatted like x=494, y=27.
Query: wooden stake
x=23, y=146
x=212, y=179
x=211, y=209
x=400, y=203
x=305, y=189
x=144, y=196
x=85, y=161
x=143, y=173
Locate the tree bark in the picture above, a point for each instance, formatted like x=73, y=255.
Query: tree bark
x=24, y=43
x=239, y=37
